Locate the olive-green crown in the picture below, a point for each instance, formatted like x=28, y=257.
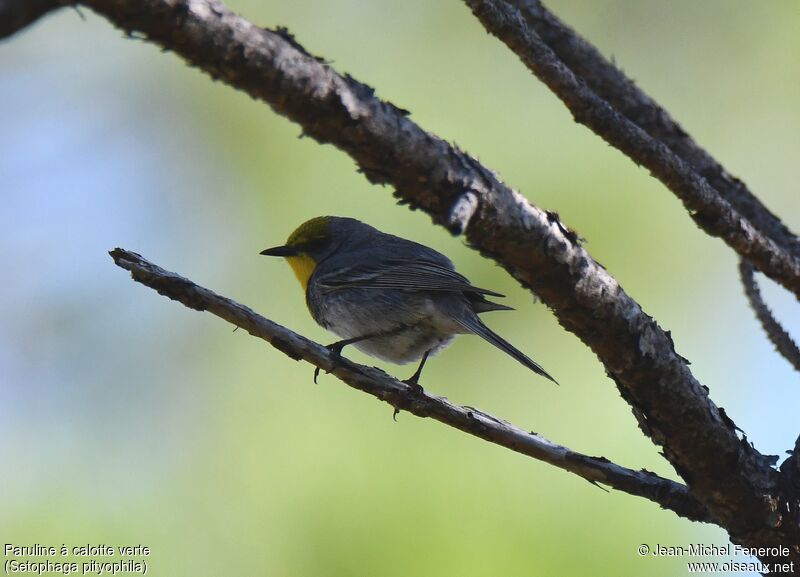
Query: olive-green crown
x=313, y=229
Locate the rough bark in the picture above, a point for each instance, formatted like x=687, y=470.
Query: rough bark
x=612, y=85
x=707, y=207
x=18, y=14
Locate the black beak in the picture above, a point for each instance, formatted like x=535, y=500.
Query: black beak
x=280, y=251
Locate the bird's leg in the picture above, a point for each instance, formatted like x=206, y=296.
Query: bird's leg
x=413, y=381
x=336, y=349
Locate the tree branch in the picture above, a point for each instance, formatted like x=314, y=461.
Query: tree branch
x=713, y=213
x=777, y=335
x=668, y=494
x=17, y=14
x=791, y=470
x=611, y=84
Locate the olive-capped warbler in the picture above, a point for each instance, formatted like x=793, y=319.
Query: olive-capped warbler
x=390, y=297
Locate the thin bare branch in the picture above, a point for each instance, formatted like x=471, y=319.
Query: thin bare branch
x=780, y=338
x=611, y=84
x=668, y=494
x=713, y=213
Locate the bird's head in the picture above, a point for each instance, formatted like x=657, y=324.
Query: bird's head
x=306, y=246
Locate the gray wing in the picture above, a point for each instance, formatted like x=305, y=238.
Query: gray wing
x=402, y=274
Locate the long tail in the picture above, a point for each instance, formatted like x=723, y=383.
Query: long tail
x=475, y=326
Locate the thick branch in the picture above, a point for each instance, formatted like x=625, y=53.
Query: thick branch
x=669, y=494
x=17, y=14
x=713, y=213
x=611, y=84
x=780, y=338
x=791, y=469
x=736, y=483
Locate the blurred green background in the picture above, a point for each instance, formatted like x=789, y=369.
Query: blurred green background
x=125, y=418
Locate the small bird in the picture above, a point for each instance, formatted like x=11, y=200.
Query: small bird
x=391, y=298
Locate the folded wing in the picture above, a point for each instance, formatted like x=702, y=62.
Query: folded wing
x=411, y=275
x=404, y=275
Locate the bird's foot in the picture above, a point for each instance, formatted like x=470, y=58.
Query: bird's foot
x=335, y=350
x=415, y=390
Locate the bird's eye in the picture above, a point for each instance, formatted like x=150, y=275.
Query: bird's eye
x=315, y=245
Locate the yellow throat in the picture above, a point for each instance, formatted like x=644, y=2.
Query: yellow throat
x=303, y=267
x=302, y=264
